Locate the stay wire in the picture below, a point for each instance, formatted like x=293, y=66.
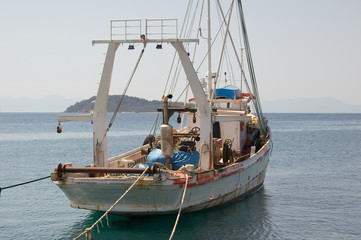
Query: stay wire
x=175, y=53
x=154, y=126
x=206, y=54
x=257, y=100
x=122, y=97
x=125, y=90
x=237, y=57
x=227, y=23
x=185, y=32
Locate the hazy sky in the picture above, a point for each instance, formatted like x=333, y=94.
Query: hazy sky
x=301, y=48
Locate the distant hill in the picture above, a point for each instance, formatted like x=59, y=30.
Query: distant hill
x=297, y=105
x=129, y=104
x=134, y=104
x=309, y=105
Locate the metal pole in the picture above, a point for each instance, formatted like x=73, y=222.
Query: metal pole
x=209, y=52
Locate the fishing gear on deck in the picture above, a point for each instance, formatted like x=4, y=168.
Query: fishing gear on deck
x=19, y=184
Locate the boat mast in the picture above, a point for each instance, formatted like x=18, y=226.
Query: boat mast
x=203, y=106
x=209, y=52
x=100, y=109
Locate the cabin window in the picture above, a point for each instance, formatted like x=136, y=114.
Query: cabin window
x=223, y=105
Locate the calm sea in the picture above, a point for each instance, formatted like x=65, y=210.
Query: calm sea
x=312, y=188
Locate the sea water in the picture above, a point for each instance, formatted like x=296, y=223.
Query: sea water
x=312, y=188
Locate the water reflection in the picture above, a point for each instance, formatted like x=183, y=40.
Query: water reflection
x=245, y=219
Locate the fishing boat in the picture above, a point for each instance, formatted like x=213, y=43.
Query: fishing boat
x=220, y=151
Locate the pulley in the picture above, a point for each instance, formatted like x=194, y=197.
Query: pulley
x=58, y=128
x=179, y=119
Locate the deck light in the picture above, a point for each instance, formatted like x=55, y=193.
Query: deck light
x=159, y=46
x=131, y=47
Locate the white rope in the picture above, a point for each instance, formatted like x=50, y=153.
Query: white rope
x=180, y=208
x=106, y=213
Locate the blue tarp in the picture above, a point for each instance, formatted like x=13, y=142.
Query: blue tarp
x=178, y=159
x=228, y=92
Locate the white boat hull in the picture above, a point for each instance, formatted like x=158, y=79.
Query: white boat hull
x=161, y=194
x=227, y=145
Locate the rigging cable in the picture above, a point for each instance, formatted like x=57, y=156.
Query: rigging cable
x=20, y=184
x=175, y=78
x=170, y=72
x=187, y=27
x=121, y=98
x=184, y=25
x=194, y=55
x=241, y=44
x=190, y=3
x=237, y=57
x=124, y=91
x=251, y=70
x=227, y=55
x=154, y=127
x=205, y=56
x=223, y=47
x=186, y=88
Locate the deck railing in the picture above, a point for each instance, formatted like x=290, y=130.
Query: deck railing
x=125, y=29
x=161, y=28
x=130, y=29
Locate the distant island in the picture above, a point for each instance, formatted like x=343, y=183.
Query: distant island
x=129, y=104
x=310, y=105
x=135, y=104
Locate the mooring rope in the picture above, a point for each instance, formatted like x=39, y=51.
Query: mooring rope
x=106, y=213
x=19, y=184
x=180, y=208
